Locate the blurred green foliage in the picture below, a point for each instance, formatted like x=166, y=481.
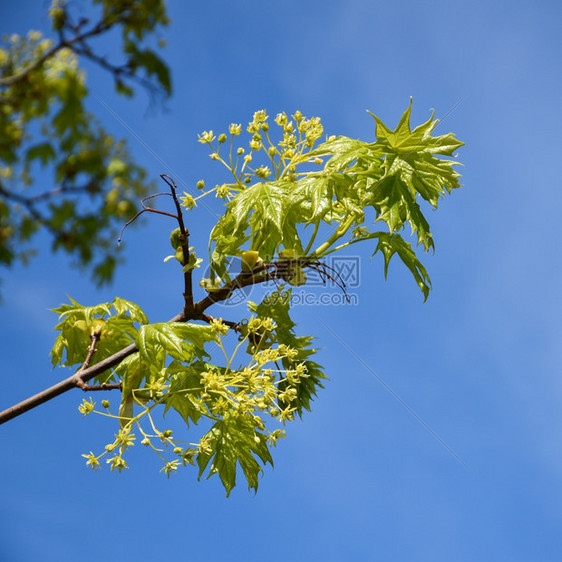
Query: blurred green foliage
x=60, y=172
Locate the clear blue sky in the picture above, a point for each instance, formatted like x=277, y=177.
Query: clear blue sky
x=359, y=478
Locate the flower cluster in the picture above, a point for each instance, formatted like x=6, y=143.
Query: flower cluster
x=297, y=137
x=244, y=396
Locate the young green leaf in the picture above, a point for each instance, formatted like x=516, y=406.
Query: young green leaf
x=230, y=442
x=390, y=244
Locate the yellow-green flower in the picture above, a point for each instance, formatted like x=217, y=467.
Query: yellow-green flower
x=92, y=461
x=263, y=172
x=235, y=129
x=187, y=201
x=117, y=462
x=218, y=326
x=223, y=191
x=206, y=137
x=124, y=438
x=87, y=407
x=281, y=119
x=260, y=116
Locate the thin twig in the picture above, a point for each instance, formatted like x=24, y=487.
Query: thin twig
x=103, y=386
x=63, y=189
x=29, y=203
x=99, y=28
x=145, y=209
x=233, y=325
x=95, y=338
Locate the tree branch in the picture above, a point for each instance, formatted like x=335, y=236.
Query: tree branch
x=29, y=204
x=63, y=189
x=65, y=385
x=117, y=71
x=184, y=238
x=72, y=381
x=26, y=202
x=100, y=27
x=77, y=380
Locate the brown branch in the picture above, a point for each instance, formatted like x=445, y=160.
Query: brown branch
x=145, y=209
x=184, y=239
x=65, y=385
x=242, y=280
x=72, y=381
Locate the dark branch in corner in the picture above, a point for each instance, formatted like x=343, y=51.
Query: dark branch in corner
x=75, y=36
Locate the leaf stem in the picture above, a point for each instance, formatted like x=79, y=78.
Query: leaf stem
x=312, y=238
x=340, y=231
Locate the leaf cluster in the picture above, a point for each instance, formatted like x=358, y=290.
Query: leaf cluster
x=117, y=323
x=315, y=212
x=171, y=370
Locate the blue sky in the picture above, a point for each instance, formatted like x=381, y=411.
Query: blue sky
x=359, y=478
